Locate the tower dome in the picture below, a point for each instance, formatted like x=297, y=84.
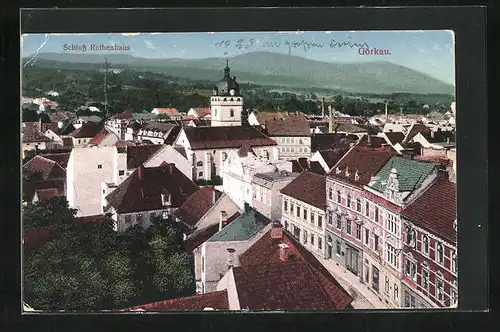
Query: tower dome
x=227, y=86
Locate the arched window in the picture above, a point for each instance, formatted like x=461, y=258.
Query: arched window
x=425, y=245
x=440, y=255
x=225, y=99
x=454, y=261
x=231, y=113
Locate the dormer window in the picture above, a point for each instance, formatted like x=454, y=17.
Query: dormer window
x=166, y=198
x=356, y=176
x=347, y=172
x=337, y=171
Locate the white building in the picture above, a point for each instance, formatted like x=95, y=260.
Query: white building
x=239, y=169
x=118, y=124
x=226, y=102
x=87, y=168
x=158, y=133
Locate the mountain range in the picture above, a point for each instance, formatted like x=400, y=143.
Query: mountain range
x=270, y=69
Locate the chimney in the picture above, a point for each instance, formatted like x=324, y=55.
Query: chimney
x=432, y=133
x=230, y=258
x=323, y=108
x=330, y=120
x=284, y=251
x=442, y=173
x=277, y=230
x=223, y=219
x=140, y=172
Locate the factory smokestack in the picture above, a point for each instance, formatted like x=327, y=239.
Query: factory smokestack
x=330, y=122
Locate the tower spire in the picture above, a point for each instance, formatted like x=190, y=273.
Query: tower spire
x=226, y=70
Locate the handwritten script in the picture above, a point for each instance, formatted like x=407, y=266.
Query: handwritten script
x=290, y=45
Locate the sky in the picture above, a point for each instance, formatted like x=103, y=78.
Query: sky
x=430, y=52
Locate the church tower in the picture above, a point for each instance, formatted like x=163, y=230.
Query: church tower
x=226, y=102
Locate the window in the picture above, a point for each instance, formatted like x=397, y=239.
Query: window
x=312, y=217
x=330, y=218
x=454, y=296
x=312, y=239
x=286, y=225
x=104, y=191
x=348, y=226
x=200, y=174
x=215, y=113
x=376, y=213
x=358, y=204
x=152, y=215
x=291, y=207
x=138, y=218
x=339, y=196
x=292, y=149
x=375, y=278
x=358, y=231
x=439, y=288
x=386, y=284
x=128, y=219
x=425, y=246
x=376, y=242
x=285, y=206
x=320, y=243
x=298, y=211
x=367, y=209
x=367, y=236
x=300, y=141
x=304, y=214
x=391, y=254
x=338, y=247
x=320, y=221
x=99, y=166
x=391, y=224
x=409, y=300
x=408, y=234
x=305, y=237
x=121, y=172
x=330, y=193
x=439, y=255
x=339, y=221
x=231, y=113
x=396, y=292
x=454, y=261
x=425, y=278
x=348, y=201
x=411, y=270
x=79, y=141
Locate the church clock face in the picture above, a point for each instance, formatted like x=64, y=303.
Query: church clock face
x=231, y=92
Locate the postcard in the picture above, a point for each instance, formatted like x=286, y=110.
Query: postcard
x=243, y=171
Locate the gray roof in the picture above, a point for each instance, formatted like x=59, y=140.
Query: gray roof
x=269, y=178
x=242, y=228
x=90, y=118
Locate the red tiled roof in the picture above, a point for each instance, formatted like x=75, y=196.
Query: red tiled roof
x=87, y=130
x=45, y=194
x=197, y=205
x=123, y=115
x=142, y=190
x=167, y=111
x=366, y=161
x=308, y=187
x=436, y=210
x=216, y=300
x=60, y=158
x=266, y=282
x=47, y=168
x=226, y=137
x=31, y=133
x=414, y=130
x=30, y=187
x=188, y=117
x=99, y=137
x=138, y=155
x=332, y=156
x=395, y=137
x=329, y=141
x=372, y=141
x=203, y=111
x=289, y=126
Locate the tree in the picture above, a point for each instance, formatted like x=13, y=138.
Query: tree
x=52, y=212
